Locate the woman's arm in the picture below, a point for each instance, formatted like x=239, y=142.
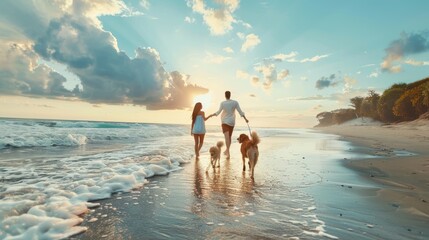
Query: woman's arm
x=204, y=116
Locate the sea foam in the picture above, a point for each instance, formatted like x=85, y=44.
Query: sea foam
x=45, y=196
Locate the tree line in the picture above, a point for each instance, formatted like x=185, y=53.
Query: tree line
x=400, y=102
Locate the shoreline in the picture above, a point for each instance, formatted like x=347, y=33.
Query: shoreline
x=400, y=165
x=290, y=198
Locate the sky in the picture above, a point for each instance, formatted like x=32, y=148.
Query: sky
x=284, y=61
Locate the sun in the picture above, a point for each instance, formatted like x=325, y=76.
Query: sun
x=205, y=99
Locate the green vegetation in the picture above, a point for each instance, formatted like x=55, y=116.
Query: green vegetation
x=400, y=102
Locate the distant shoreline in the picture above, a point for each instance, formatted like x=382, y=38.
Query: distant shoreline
x=405, y=179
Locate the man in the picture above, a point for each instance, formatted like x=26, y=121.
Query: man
x=228, y=108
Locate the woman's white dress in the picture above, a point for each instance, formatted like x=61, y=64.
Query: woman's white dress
x=199, y=125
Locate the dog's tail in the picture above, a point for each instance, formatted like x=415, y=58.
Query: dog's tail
x=219, y=144
x=255, y=138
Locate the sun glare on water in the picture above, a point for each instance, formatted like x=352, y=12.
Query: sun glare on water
x=205, y=99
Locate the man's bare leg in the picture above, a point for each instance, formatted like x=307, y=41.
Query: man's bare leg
x=227, y=143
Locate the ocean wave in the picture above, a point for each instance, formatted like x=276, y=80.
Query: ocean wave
x=31, y=133
x=47, y=200
x=67, y=124
x=23, y=141
x=70, y=124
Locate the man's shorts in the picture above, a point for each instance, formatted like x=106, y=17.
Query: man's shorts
x=227, y=128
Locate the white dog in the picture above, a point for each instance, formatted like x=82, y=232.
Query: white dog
x=215, y=155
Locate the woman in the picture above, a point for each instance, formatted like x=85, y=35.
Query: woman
x=198, y=127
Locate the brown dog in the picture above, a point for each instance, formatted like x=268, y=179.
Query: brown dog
x=249, y=149
x=215, y=155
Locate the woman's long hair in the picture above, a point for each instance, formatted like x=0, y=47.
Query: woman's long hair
x=197, y=108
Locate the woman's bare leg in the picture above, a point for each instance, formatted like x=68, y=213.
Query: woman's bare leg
x=201, y=142
x=196, y=145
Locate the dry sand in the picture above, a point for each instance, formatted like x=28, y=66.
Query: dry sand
x=404, y=177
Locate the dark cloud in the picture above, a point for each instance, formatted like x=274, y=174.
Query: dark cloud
x=21, y=74
x=180, y=95
x=107, y=75
x=252, y=95
x=74, y=37
x=325, y=82
x=406, y=45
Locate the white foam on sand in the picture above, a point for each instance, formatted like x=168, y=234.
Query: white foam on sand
x=319, y=231
x=47, y=201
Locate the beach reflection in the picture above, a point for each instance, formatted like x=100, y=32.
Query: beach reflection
x=225, y=190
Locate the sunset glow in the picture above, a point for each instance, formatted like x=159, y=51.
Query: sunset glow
x=204, y=99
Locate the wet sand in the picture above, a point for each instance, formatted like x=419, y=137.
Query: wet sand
x=302, y=190
x=404, y=178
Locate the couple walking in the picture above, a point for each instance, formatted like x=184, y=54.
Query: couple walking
x=227, y=108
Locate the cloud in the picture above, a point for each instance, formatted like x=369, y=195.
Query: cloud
x=254, y=79
x=416, y=63
x=20, y=74
x=145, y=4
x=282, y=57
x=406, y=45
x=314, y=59
x=218, y=20
x=269, y=72
x=290, y=57
x=228, y=50
x=349, y=82
x=245, y=24
x=71, y=34
x=180, y=95
x=283, y=74
x=216, y=59
x=241, y=35
x=311, y=98
x=246, y=76
x=251, y=41
x=325, y=82
x=368, y=65
x=252, y=95
x=242, y=74
x=189, y=19
x=375, y=73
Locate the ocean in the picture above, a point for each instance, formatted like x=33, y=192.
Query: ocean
x=52, y=171
x=139, y=180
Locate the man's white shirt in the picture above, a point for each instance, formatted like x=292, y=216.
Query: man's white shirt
x=228, y=108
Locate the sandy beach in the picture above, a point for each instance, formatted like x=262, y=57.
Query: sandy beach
x=301, y=191
x=404, y=176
